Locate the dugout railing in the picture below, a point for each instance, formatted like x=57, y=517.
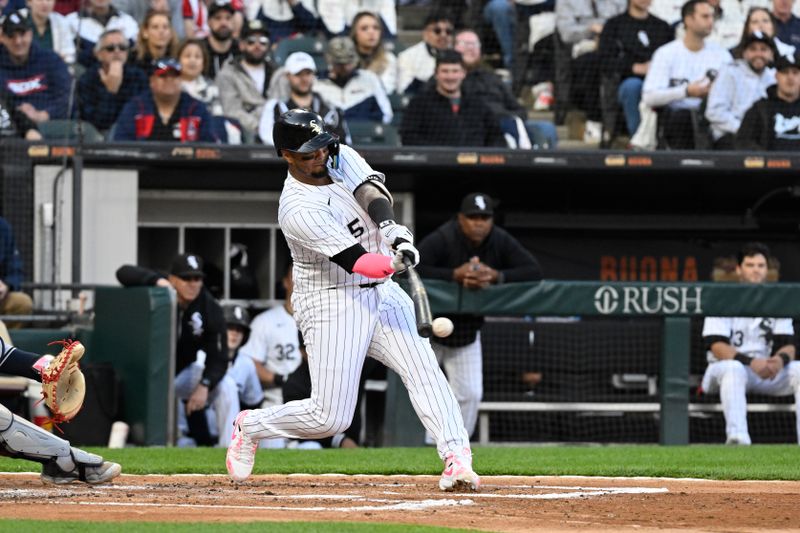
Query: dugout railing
x=668, y=318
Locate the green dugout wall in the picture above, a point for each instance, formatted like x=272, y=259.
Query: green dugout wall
x=676, y=303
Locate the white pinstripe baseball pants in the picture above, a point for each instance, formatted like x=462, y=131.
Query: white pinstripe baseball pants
x=733, y=380
x=340, y=328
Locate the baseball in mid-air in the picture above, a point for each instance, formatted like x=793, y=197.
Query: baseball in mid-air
x=442, y=327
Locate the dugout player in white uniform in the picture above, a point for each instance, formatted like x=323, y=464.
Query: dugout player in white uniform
x=21, y=439
x=749, y=354
x=338, y=220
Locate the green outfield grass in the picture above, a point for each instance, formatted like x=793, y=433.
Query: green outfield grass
x=712, y=462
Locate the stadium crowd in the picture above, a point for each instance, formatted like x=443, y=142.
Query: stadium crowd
x=703, y=74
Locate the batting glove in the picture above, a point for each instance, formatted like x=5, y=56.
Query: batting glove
x=405, y=250
x=393, y=234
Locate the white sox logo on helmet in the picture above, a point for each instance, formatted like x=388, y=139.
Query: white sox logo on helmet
x=315, y=127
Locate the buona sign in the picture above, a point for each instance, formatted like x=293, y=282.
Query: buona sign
x=660, y=300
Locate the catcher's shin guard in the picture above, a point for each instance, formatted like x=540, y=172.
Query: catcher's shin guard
x=62, y=463
x=21, y=438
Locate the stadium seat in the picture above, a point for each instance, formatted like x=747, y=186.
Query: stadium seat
x=399, y=103
x=313, y=46
x=700, y=130
x=70, y=130
x=368, y=133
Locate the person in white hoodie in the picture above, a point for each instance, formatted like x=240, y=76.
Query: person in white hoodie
x=50, y=29
x=738, y=86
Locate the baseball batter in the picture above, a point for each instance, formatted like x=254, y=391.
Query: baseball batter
x=748, y=354
x=337, y=217
x=19, y=438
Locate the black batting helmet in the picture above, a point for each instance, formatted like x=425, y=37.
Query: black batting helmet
x=301, y=131
x=236, y=315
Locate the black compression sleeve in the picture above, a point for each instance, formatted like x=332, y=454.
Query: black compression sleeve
x=380, y=210
x=19, y=363
x=136, y=276
x=347, y=258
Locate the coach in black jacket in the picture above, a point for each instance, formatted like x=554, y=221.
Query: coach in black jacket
x=773, y=123
x=201, y=327
x=475, y=253
x=444, y=115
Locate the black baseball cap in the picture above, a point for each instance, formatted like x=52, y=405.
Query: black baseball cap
x=758, y=37
x=219, y=5
x=477, y=203
x=236, y=315
x=15, y=21
x=254, y=26
x=186, y=265
x=783, y=62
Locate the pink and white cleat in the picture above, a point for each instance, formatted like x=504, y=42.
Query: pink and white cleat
x=458, y=473
x=241, y=454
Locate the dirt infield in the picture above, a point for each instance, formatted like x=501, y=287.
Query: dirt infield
x=504, y=504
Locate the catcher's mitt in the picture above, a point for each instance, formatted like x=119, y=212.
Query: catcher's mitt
x=63, y=384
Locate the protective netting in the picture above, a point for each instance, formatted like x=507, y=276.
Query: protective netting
x=597, y=380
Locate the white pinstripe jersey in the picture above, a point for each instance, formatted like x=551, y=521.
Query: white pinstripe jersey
x=321, y=221
x=749, y=335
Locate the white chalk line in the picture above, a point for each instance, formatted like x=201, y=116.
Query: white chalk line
x=579, y=493
x=398, y=506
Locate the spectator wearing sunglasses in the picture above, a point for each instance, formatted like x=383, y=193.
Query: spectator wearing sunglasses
x=243, y=82
x=105, y=89
x=416, y=64
x=165, y=112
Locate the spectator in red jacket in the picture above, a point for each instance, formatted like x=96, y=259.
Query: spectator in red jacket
x=165, y=113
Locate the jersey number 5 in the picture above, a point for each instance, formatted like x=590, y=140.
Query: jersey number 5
x=355, y=229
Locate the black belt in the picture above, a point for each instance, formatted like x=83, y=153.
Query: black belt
x=361, y=286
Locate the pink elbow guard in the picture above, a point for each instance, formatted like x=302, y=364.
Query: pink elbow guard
x=374, y=266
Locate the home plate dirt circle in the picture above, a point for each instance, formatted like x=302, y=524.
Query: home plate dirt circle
x=505, y=503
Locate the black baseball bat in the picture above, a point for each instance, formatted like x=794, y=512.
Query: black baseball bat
x=422, y=308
